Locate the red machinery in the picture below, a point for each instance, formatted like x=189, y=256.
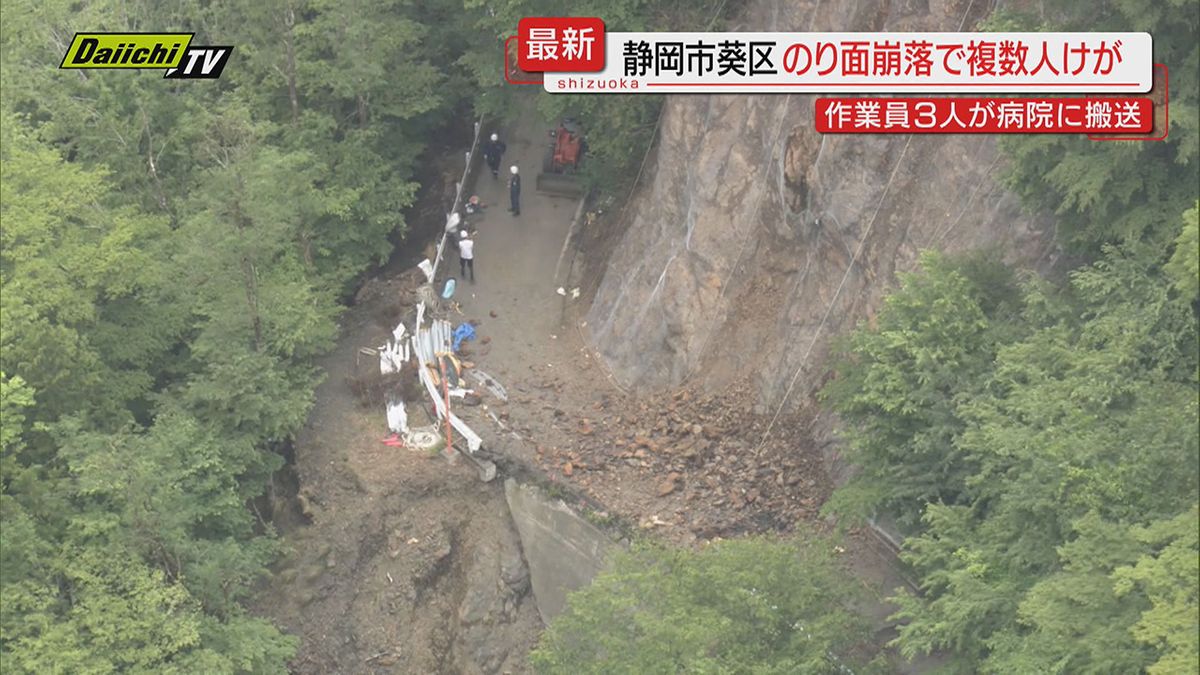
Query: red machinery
x=563, y=154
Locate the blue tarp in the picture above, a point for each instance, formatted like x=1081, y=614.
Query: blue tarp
x=464, y=332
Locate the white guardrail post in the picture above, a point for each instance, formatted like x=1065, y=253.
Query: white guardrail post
x=458, y=196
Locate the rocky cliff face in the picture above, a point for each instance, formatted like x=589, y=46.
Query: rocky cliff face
x=737, y=259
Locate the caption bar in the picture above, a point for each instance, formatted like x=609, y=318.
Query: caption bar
x=836, y=62
x=1124, y=115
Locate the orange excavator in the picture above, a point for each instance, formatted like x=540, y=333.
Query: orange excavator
x=561, y=161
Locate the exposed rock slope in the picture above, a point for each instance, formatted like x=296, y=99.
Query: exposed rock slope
x=738, y=255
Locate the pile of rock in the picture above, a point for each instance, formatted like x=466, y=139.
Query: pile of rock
x=707, y=450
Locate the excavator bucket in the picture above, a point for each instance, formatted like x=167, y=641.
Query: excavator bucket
x=561, y=184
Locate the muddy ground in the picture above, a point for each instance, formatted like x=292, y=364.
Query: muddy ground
x=404, y=563
x=407, y=563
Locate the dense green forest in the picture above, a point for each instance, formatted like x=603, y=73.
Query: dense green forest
x=1038, y=437
x=173, y=257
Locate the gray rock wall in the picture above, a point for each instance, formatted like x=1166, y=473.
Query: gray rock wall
x=737, y=258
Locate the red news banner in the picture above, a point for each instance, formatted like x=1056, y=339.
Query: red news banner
x=1124, y=115
x=577, y=55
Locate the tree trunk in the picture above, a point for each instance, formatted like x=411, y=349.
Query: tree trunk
x=289, y=22
x=306, y=249
x=160, y=192
x=251, y=275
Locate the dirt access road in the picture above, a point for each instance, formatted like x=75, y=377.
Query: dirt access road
x=408, y=564
x=405, y=563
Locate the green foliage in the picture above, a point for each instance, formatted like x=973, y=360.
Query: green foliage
x=1067, y=462
x=64, y=252
x=173, y=495
x=354, y=86
x=120, y=616
x=172, y=256
x=1184, y=266
x=902, y=383
x=1140, y=581
x=1166, y=574
x=101, y=610
x=16, y=397
x=1116, y=192
x=1056, y=628
x=745, y=606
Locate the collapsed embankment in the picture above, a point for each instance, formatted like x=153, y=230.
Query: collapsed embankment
x=401, y=561
x=749, y=244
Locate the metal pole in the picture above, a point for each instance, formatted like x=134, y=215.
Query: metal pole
x=446, y=391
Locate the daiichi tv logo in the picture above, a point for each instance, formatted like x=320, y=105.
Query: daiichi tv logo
x=172, y=52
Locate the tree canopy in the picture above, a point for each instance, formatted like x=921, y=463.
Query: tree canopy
x=1102, y=193
x=741, y=606
x=1036, y=437
x=173, y=255
x=1040, y=444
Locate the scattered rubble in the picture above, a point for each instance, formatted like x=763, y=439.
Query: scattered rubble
x=698, y=453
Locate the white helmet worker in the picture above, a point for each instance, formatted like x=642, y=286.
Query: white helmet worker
x=513, y=168
x=462, y=233
x=495, y=137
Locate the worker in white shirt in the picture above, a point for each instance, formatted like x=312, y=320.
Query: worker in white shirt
x=466, y=254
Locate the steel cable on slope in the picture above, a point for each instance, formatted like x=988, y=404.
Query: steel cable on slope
x=657, y=122
x=737, y=261
x=829, y=310
x=629, y=198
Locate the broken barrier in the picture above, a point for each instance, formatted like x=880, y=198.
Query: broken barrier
x=427, y=342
